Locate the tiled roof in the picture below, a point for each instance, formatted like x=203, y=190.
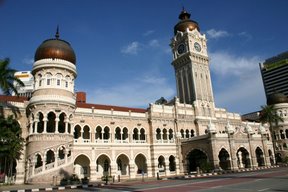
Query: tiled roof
x=6, y=98
x=110, y=107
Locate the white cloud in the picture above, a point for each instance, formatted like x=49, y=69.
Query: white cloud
x=131, y=49
x=243, y=96
x=135, y=93
x=213, y=34
x=240, y=87
x=224, y=63
x=154, y=43
x=149, y=32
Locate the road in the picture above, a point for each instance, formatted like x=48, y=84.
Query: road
x=263, y=180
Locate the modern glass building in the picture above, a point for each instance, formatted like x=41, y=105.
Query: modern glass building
x=275, y=74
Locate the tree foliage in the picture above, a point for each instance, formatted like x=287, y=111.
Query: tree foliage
x=11, y=143
x=7, y=78
x=269, y=115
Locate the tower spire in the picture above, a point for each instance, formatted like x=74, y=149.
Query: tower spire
x=57, y=32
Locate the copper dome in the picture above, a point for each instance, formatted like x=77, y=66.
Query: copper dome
x=185, y=23
x=276, y=98
x=55, y=48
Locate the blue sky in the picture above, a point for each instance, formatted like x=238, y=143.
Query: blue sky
x=122, y=46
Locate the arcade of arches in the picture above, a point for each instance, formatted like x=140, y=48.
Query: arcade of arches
x=198, y=159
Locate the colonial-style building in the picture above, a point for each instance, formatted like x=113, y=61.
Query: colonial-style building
x=66, y=135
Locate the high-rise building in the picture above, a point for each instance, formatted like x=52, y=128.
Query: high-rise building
x=28, y=79
x=275, y=74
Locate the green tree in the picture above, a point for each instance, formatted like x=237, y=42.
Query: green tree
x=11, y=144
x=269, y=115
x=7, y=78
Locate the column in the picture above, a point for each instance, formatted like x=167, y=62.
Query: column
x=31, y=127
x=167, y=171
x=45, y=120
x=93, y=173
x=36, y=125
x=33, y=166
x=44, y=163
x=56, y=159
x=239, y=154
x=132, y=170
x=66, y=155
x=66, y=125
x=56, y=124
x=71, y=128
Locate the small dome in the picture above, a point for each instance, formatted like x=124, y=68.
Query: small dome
x=185, y=23
x=55, y=48
x=276, y=98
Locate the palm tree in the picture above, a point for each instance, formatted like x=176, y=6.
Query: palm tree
x=11, y=144
x=269, y=115
x=7, y=78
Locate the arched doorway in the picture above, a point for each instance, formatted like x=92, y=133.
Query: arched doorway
x=103, y=165
x=196, y=158
x=123, y=165
x=224, y=159
x=161, y=164
x=259, y=157
x=243, y=158
x=141, y=166
x=82, y=166
x=172, y=163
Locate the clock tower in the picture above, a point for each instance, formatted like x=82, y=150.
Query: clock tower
x=191, y=63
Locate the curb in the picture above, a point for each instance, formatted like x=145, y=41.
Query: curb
x=59, y=188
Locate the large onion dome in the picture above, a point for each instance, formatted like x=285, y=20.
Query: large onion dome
x=55, y=49
x=276, y=98
x=185, y=23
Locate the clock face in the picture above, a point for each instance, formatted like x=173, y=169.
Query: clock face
x=181, y=48
x=197, y=46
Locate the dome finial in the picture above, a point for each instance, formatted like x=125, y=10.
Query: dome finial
x=57, y=32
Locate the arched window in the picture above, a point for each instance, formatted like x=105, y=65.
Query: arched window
x=187, y=133
x=39, y=161
x=77, y=132
x=192, y=133
x=98, y=134
x=50, y=157
x=106, y=133
x=286, y=133
x=170, y=134
x=61, y=123
x=48, y=78
x=51, y=122
x=86, y=132
x=158, y=134
x=40, y=126
x=58, y=79
x=142, y=134
x=118, y=133
x=165, y=134
x=61, y=153
x=125, y=134
x=135, y=134
x=67, y=80
x=182, y=133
